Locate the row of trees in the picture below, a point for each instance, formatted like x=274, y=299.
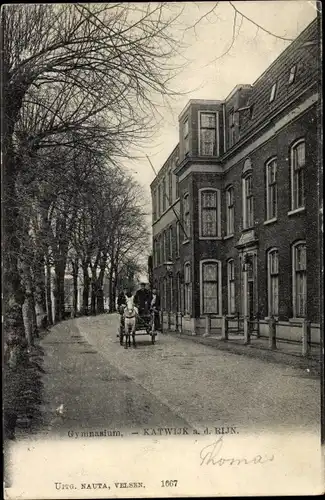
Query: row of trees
x=79, y=85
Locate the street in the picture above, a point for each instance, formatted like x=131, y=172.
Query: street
x=175, y=382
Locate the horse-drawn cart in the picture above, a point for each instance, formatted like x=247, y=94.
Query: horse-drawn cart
x=144, y=325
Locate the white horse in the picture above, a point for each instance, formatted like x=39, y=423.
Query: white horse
x=130, y=316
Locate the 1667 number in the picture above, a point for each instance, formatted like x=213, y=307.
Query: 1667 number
x=168, y=483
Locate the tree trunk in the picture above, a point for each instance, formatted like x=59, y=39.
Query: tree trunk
x=100, y=285
x=28, y=307
x=48, y=292
x=40, y=293
x=93, y=293
x=100, y=301
x=75, y=268
x=59, y=295
x=111, y=290
x=85, y=292
x=13, y=291
x=14, y=297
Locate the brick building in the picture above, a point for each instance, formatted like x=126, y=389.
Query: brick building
x=235, y=206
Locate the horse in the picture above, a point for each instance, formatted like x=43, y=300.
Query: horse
x=130, y=315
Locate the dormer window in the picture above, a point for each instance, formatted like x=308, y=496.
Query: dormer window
x=292, y=74
x=231, y=130
x=185, y=137
x=273, y=92
x=207, y=134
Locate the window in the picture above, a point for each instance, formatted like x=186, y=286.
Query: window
x=177, y=238
x=273, y=282
x=248, y=213
x=297, y=175
x=170, y=187
x=187, y=289
x=209, y=213
x=171, y=293
x=273, y=92
x=186, y=137
x=271, y=189
x=292, y=74
x=166, y=246
x=299, y=285
x=158, y=260
x=179, y=307
x=154, y=205
x=164, y=204
x=154, y=257
x=210, y=287
x=170, y=256
x=186, y=216
x=231, y=128
x=231, y=286
x=159, y=201
x=207, y=134
x=165, y=294
x=230, y=216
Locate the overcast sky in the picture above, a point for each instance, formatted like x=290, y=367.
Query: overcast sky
x=208, y=78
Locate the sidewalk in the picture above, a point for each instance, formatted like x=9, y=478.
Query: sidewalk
x=285, y=353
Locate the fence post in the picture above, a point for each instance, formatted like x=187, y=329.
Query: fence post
x=224, y=328
x=306, y=337
x=176, y=322
x=162, y=321
x=258, y=331
x=247, y=333
x=272, y=333
x=168, y=321
x=207, y=330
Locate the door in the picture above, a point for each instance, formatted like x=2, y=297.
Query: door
x=250, y=299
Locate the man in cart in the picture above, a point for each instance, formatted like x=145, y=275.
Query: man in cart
x=142, y=302
x=155, y=308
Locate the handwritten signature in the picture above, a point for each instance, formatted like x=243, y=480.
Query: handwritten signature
x=211, y=455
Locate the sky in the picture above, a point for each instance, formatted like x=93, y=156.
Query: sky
x=207, y=76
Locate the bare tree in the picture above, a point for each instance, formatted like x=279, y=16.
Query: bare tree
x=108, y=59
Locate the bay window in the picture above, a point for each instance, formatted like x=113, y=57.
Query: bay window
x=208, y=137
x=209, y=213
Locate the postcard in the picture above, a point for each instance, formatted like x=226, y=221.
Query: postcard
x=162, y=250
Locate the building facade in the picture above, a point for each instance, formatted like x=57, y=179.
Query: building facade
x=235, y=206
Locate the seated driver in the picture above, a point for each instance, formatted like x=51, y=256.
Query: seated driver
x=142, y=299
